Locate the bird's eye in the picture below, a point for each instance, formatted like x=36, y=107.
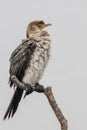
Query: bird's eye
x=39, y=25
x=41, y=22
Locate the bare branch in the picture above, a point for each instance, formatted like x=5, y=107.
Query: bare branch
x=56, y=109
x=17, y=82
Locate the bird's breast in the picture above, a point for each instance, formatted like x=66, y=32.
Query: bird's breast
x=38, y=62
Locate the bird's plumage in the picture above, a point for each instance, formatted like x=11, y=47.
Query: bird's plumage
x=19, y=58
x=27, y=63
x=39, y=59
x=18, y=64
x=14, y=103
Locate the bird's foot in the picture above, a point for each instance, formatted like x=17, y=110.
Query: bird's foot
x=39, y=88
x=28, y=89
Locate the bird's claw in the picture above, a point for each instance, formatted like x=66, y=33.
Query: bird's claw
x=28, y=90
x=39, y=88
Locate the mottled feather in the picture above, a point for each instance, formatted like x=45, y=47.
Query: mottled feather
x=18, y=64
x=19, y=58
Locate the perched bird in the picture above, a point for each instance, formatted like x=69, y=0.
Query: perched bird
x=28, y=61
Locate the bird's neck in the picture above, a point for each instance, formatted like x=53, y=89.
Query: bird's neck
x=38, y=34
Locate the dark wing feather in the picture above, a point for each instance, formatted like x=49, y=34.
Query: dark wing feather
x=18, y=63
x=14, y=53
x=19, y=59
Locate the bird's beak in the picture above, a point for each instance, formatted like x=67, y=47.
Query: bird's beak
x=45, y=25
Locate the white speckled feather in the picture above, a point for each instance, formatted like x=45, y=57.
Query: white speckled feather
x=39, y=59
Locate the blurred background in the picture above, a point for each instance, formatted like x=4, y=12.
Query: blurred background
x=66, y=71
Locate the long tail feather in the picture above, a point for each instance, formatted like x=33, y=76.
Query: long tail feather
x=14, y=103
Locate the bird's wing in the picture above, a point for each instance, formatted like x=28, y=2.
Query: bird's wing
x=19, y=59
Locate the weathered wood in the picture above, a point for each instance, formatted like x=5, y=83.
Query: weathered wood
x=56, y=109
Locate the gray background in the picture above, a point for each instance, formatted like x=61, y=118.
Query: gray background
x=66, y=71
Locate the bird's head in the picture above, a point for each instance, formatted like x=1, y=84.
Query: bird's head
x=36, y=26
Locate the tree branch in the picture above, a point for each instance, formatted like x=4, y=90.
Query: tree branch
x=52, y=102
x=56, y=109
x=17, y=82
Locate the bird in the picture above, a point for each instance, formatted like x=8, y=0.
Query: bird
x=28, y=62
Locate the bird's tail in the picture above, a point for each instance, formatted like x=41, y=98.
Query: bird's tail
x=14, y=103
